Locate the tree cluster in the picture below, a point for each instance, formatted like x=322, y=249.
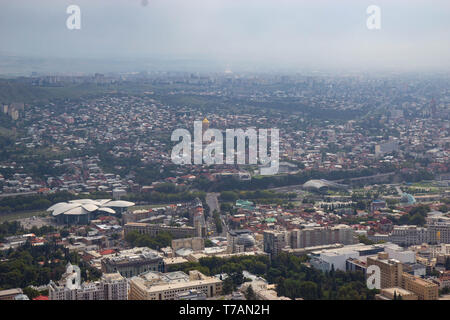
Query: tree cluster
x=293, y=278
x=36, y=265
x=161, y=240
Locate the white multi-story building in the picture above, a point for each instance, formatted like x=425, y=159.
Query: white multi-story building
x=115, y=287
x=335, y=259
x=436, y=232
x=110, y=287
x=409, y=235
x=439, y=230
x=398, y=253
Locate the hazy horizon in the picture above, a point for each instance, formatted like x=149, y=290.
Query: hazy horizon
x=246, y=35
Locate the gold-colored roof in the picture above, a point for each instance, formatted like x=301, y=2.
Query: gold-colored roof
x=205, y=120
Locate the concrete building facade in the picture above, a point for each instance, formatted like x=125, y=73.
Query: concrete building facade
x=169, y=286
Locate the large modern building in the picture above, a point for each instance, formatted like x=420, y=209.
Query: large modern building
x=437, y=231
x=391, y=270
x=318, y=236
x=169, y=286
x=153, y=229
x=392, y=275
x=322, y=185
x=409, y=235
x=274, y=242
x=82, y=211
x=398, y=253
x=130, y=263
x=339, y=257
x=240, y=241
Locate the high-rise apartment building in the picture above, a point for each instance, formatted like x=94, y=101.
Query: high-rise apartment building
x=318, y=236
x=390, y=270
x=274, y=242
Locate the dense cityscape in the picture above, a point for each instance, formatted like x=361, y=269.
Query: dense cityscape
x=232, y=158
x=88, y=187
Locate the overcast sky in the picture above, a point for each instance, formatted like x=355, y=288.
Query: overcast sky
x=272, y=34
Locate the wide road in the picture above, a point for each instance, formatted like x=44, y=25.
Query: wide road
x=213, y=204
x=298, y=188
x=29, y=193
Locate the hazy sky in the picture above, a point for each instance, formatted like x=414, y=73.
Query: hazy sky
x=273, y=34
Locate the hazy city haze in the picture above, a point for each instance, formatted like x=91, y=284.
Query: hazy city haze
x=258, y=35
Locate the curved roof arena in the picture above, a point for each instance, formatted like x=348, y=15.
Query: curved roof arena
x=322, y=183
x=84, y=206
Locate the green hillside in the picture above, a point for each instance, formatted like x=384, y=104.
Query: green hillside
x=12, y=91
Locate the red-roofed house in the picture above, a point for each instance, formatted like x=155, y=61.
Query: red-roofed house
x=107, y=251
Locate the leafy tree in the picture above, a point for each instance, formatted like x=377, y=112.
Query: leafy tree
x=308, y=290
x=166, y=188
x=447, y=263
x=365, y=240
x=237, y=278
x=161, y=240
x=208, y=243
x=229, y=196
x=33, y=265
x=250, y=294
x=227, y=287
x=217, y=221
x=417, y=219
x=421, y=209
